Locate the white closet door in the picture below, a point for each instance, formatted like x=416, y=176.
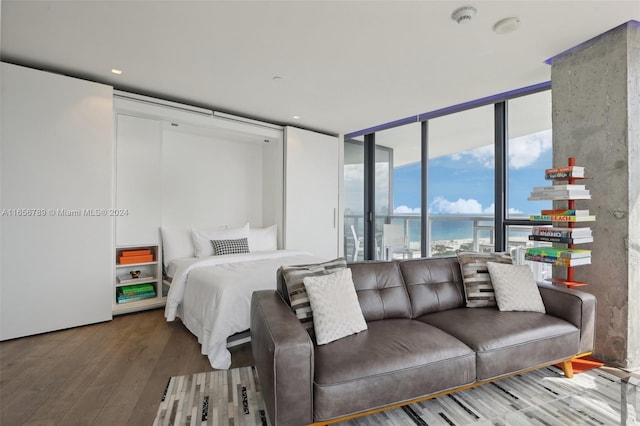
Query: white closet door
x=138, y=172
x=56, y=178
x=312, y=192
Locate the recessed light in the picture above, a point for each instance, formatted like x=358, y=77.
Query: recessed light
x=296, y=117
x=116, y=71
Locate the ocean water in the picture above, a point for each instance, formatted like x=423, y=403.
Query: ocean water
x=445, y=230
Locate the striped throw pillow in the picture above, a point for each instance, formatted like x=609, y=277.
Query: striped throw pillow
x=220, y=247
x=294, y=276
x=478, y=290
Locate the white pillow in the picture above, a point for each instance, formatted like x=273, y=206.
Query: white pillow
x=263, y=239
x=515, y=288
x=176, y=244
x=335, y=307
x=202, y=238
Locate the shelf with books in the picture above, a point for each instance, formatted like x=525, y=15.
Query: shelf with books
x=564, y=230
x=137, y=285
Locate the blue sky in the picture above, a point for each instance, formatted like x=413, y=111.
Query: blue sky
x=463, y=183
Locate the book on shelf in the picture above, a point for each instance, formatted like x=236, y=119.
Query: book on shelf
x=136, y=289
x=136, y=252
x=561, y=218
x=559, y=252
x=550, y=231
x=126, y=279
x=133, y=298
x=564, y=172
x=563, y=240
x=569, y=187
x=558, y=261
x=560, y=195
x=144, y=258
x=564, y=212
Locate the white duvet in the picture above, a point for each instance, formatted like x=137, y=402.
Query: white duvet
x=212, y=295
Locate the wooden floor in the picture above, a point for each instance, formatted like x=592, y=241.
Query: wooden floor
x=112, y=373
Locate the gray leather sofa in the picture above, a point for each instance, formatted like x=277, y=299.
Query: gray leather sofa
x=421, y=341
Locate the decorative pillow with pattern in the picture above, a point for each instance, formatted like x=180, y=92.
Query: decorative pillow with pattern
x=515, y=288
x=237, y=246
x=334, y=302
x=478, y=290
x=294, y=276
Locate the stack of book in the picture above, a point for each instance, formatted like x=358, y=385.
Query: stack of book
x=560, y=192
x=564, y=172
x=558, y=256
x=135, y=256
x=131, y=293
x=561, y=235
x=569, y=215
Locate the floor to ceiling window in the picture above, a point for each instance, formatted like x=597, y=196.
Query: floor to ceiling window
x=461, y=181
x=457, y=178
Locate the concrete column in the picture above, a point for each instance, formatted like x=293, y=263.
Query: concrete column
x=596, y=119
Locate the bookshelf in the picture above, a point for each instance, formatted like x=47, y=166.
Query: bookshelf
x=137, y=279
x=565, y=230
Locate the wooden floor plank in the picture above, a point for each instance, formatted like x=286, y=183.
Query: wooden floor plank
x=108, y=373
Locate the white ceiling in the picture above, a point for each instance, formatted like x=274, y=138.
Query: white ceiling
x=342, y=65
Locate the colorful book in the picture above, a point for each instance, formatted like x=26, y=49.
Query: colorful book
x=564, y=172
x=559, y=252
x=136, y=289
x=125, y=260
x=142, y=296
x=560, y=218
x=557, y=261
x=563, y=240
x=140, y=252
x=564, y=212
x=548, y=231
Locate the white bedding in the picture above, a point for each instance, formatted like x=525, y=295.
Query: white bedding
x=212, y=295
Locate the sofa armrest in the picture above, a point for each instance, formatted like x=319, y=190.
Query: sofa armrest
x=283, y=354
x=574, y=306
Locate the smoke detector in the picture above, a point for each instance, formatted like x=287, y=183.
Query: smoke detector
x=464, y=14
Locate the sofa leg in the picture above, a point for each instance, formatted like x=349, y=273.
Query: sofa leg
x=567, y=368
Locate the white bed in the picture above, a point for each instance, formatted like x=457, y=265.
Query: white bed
x=212, y=295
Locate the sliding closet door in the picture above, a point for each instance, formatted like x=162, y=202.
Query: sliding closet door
x=311, y=192
x=57, y=231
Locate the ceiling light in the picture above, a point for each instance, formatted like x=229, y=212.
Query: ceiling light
x=506, y=25
x=464, y=14
x=296, y=117
x=116, y=71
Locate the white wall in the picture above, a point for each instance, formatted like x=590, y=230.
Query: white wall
x=56, y=153
x=209, y=181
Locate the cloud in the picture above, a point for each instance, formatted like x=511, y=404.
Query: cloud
x=407, y=210
x=523, y=151
x=440, y=205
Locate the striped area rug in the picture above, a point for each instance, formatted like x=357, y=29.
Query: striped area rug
x=542, y=397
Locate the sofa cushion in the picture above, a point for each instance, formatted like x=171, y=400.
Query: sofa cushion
x=515, y=288
x=293, y=279
x=336, y=312
x=433, y=284
x=507, y=342
x=408, y=358
x=381, y=291
x=475, y=276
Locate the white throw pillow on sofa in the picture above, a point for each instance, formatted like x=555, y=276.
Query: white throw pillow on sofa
x=515, y=288
x=335, y=307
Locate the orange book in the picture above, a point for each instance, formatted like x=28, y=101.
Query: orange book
x=141, y=252
x=136, y=259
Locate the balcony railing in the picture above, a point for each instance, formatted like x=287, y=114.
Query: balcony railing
x=446, y=233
